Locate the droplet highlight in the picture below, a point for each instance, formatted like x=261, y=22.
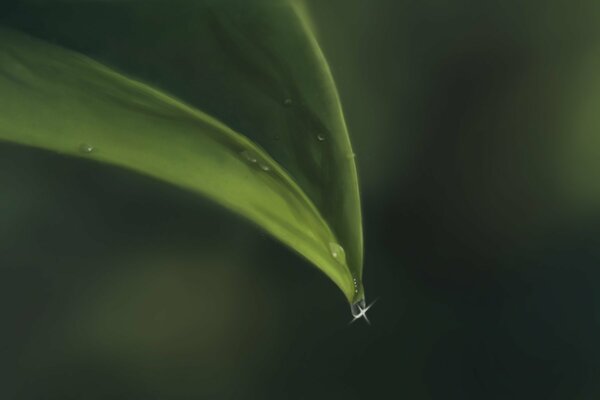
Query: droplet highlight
x=320, y=138
x=337, y=252
x=264, y=167
x=86, y=148
x=357, y=307
x=251, y=158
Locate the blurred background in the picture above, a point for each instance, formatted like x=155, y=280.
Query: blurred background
x=476, y=128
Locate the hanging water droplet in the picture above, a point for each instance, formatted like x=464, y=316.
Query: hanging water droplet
x=337, y=252
x=357, y=307
x=287, y=102
x=86, y=148
x=320, y=138
x=249, y=156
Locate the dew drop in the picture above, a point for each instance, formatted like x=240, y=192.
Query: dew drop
x=86, y=148
x=337, y=252
x=287, y=102
x=249, y=156
x=264, y=167
x=320, y=138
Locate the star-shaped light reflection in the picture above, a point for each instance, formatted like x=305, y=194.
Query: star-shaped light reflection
x=362, y=313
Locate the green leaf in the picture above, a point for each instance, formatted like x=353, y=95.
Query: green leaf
x=253, y=64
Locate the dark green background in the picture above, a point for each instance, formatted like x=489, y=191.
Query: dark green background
x=475, y=125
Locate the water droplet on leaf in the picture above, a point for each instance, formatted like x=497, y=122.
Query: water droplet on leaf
x=320, y=138
x=86, y=148
x=337, y=252
x=249, y=156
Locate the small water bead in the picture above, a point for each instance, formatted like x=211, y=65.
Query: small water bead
x=253, y=159
x=249, y=156
x=337, y=252
x=86, y=148
x=320, y=138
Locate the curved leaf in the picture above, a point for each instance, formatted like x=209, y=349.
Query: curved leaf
x=254, y=64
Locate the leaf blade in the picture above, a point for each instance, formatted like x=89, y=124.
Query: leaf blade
x=252, y=63
x=59, y=100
